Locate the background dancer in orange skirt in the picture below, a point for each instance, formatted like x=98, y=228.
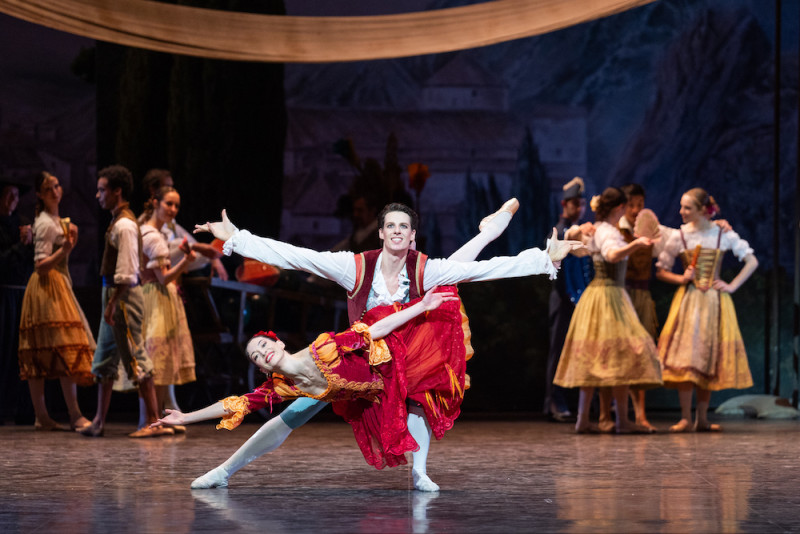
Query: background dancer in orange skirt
x=55, y=340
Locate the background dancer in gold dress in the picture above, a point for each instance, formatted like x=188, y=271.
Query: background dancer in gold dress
x=606, y=345
x=700, y=345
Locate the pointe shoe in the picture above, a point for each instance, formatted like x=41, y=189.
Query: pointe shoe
x=152, y=432
x=591, y=428
x=648, y=426
x=681, y=426
x=216, y=478
x=511, y=206
x=78, y=428
x=178, y=429
x=606, y=427
x=91, y=431
x=635, y=428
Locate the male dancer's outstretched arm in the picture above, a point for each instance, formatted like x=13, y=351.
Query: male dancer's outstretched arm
x=340, y=267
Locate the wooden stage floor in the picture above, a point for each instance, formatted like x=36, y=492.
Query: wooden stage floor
x=496, y=476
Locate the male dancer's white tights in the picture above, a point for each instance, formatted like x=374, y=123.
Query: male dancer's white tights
x=275, y=431
x=420, y=430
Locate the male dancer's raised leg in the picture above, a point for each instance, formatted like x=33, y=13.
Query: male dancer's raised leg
x=491, y=228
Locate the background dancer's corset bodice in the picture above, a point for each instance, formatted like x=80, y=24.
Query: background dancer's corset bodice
x=707, y=268
x=62, y=266
x=610, y=273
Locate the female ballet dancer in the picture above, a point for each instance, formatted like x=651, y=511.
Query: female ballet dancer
x=701, y=346
x=166, y=334
x=364, y=372
x=606, y=345
x=54, y=337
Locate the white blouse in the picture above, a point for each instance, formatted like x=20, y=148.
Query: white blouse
x=47, y=232
x=155, y=247
x=605, y=239
x=707, y=239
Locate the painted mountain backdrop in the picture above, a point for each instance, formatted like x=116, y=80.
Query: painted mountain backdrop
x=676, y=94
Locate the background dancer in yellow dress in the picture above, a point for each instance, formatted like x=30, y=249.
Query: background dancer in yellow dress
x=606, y=345
x=166, y=333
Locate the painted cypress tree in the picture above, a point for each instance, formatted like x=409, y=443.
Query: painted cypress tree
x=532, y=188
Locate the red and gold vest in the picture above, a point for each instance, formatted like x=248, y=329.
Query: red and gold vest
x=365, y=272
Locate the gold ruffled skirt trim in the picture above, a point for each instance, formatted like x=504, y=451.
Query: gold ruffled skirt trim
x=54, y=336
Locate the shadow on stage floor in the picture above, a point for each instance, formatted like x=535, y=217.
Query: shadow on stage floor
x=496, y=476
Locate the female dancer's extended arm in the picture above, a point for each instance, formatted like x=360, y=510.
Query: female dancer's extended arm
x=176, y=417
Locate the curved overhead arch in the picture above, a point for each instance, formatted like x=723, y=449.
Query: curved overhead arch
x=273, y=38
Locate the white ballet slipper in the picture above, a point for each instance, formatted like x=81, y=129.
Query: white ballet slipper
x=216, y=478
x=510, y=206
x=422, y=482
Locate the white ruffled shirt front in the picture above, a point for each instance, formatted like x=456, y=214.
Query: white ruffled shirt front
x=379, y=292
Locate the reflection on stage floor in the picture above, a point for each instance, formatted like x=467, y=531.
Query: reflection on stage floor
x=504, y=476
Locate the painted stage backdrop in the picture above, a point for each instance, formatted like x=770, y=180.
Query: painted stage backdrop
x=672, y=95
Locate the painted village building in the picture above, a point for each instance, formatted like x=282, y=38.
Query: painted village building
x=459, y=126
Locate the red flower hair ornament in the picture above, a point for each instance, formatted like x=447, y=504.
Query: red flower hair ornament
x=269, y=334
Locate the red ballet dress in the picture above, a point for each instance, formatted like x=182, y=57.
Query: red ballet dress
x=369, y=381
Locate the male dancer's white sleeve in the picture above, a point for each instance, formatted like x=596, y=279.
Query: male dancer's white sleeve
x=339, y=267
x=528, y=262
